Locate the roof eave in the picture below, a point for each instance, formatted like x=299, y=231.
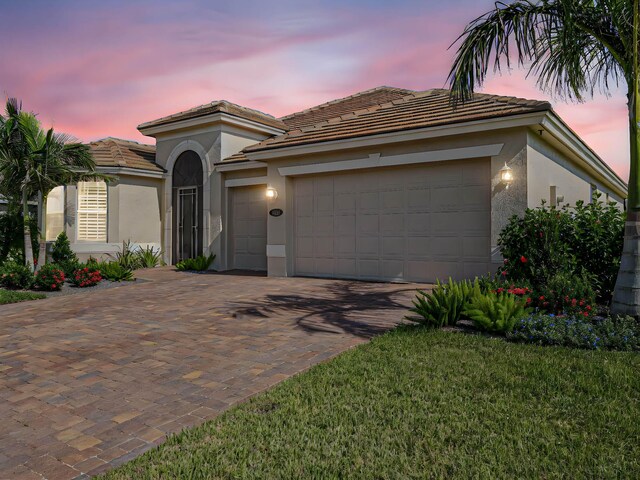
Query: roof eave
x=132, y=172
x=209, y=119
x=553, y=124
x=512, y=121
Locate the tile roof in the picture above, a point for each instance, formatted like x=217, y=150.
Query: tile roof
x=417, y=110
x=218, y=106
x=118, y=153
x=335, y=108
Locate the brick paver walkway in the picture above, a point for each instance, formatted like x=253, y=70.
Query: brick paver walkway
x=90, y=381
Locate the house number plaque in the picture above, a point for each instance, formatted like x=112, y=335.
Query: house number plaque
x=275, y=212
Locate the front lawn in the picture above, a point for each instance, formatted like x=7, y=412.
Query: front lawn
x=418, y=403
x=9, y=296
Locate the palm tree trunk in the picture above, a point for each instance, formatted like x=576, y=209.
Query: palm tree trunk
x=626, y=294
x=42, y=250
x=28, y=247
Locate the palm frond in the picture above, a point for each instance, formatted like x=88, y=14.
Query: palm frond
x=572, y=46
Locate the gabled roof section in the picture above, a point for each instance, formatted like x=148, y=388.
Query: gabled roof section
x=341, y=106
x=218, y=106
x=429, y=108
x=118, y=153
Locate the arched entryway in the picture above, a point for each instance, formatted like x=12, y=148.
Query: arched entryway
x=187, y=199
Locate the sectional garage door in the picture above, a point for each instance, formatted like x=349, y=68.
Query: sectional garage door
x=417, y=223
x=249, y=228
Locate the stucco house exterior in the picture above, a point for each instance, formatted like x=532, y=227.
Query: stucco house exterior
x=386, y=184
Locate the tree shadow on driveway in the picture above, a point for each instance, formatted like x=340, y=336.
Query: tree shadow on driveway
x=357, y=308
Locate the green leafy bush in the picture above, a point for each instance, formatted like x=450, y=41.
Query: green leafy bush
x=49, y=278
x=581, y=240
x=15, y=276
x=611, y=333
x=567, y=294
x=127, y=257
x=148, y=257
x=199, y=264
x=68, y=267
x=443, y=305
x=495, y=312
x=12, y=233
x=61, y=252
x=113, y=271
x=88, y=276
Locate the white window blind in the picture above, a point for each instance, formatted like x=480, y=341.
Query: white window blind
x=92, y=211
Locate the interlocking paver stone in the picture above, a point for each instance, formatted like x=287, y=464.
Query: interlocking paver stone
x=90, y=381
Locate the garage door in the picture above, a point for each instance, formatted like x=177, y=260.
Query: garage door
x=249, y=227
x=416, y=223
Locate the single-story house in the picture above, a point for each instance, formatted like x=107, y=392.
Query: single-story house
x=386, y=184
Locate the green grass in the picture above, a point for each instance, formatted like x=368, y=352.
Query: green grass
x=9, y=296
x=425, y=404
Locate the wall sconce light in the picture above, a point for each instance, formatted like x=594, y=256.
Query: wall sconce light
x=271, y=193
x=506, y=175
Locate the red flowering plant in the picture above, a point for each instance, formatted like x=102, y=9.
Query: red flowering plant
x=49, y=278
x=86, y=277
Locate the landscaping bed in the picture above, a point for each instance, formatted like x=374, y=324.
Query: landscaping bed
x=421, y=403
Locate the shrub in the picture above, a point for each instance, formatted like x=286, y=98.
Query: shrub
x=86, y=277
x=567, y=294
x=148, y=257
x=113, y=271
x=586, y=239
x=612, y=333
x=127, y=258
x=199, y=264
x=69, y=267
x=49, y=278
x=495, y=312
x=61, y=252
x=15, y=276
x=12, y=233
x=444, y=305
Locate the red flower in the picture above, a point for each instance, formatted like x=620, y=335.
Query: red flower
x=573, y=302
x=504, y=273
x=588, y=308
x=528, y=300
x=541, y=297
x=586, y=314
x=53, y=287
x=523, y=259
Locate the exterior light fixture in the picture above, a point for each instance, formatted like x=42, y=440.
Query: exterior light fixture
x=506, y=175
x=271, y=193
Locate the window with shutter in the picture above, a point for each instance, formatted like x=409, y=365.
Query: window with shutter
x=92, y=211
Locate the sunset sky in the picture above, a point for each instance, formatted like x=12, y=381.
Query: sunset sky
x=99, y=68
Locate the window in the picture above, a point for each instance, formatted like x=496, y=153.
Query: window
x=92, y=211
x=55, y=213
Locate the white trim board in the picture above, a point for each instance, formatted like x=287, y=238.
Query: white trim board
x=245, y=182
x=375, y=160
x=231, y=167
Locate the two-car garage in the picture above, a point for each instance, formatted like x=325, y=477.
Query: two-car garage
x=416, y=223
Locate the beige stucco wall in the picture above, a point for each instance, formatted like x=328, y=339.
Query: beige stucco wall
x=504, y=202
x=212, y=143
x=133, y=215
x=139, y=217
x=547, y=166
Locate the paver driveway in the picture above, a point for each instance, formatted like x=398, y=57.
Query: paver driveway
x=90, y=381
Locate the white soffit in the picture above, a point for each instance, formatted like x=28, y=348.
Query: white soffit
x=376, y=160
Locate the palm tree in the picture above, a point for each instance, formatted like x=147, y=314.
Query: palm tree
x=573, y=47
x=33, y=162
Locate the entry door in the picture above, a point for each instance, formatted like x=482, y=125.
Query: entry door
x=187, y=223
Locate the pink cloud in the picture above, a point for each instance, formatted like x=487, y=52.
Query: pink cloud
x=100, y=70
